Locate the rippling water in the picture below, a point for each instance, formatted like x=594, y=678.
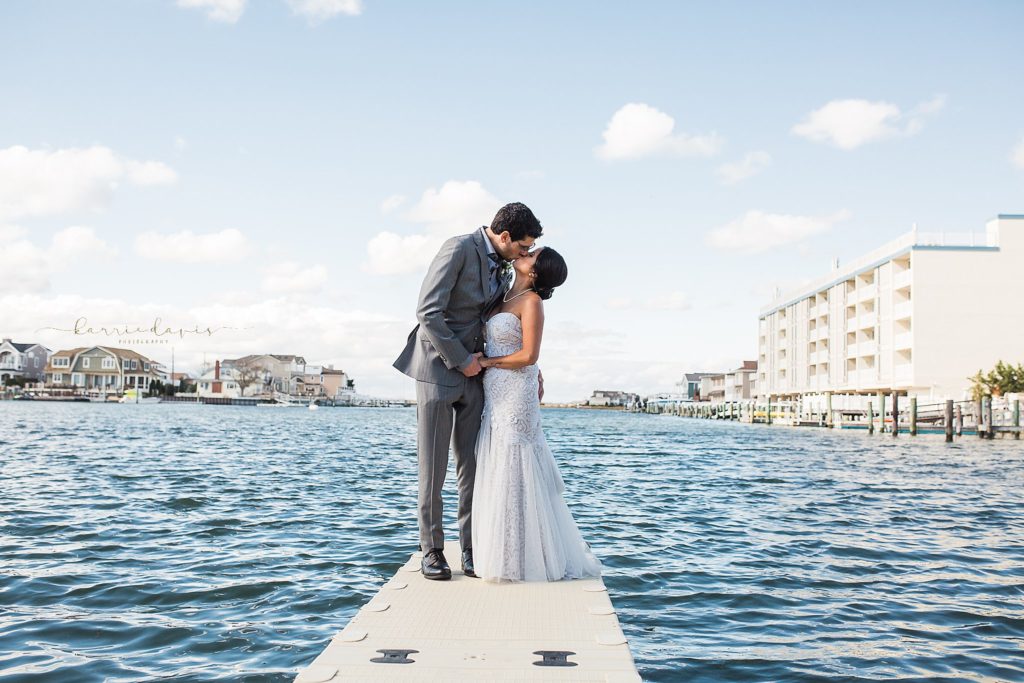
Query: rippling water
x=230, y=543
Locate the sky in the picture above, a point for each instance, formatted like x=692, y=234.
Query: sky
x=274, y=176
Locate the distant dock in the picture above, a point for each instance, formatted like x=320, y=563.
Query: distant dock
x=470, y=630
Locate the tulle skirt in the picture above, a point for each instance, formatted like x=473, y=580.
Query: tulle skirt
x=522, y=527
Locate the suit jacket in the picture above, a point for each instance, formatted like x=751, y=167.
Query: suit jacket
x=454, y=298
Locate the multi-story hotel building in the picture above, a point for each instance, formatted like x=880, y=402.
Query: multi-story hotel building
x=918, y=316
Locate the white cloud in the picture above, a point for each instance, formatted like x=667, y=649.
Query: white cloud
x=321, y=10
x=227, y=11
x=750, y=165
x=39, y=182
x=457, y=208
x=758, y=231
x=186, y=247
x=392, y=254
x=848, y=124
x=290, y=277
x=28, y=268
x=639, y=130
x=1017, y=157
x=392, y=203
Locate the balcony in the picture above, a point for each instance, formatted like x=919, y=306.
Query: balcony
x=903, y=341
x=819, y=356
x=902, y=311
x=820, y=332
x=852, y=350
x=902, y=279
x=867, y=348
x=10, y=365
x=866, y=293
x=867, y=320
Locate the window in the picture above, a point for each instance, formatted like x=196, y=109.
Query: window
x=125, y=365
x=135, y=365
x=61, y=362
x=58, y=378
x=146, y=367
x=108, y=363
x=85, y=363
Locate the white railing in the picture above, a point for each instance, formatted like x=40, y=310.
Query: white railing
x=903, y=341
x=867, y=320
x=867, y=292
x=868, y=348
x=902, y=279
x=902, y=311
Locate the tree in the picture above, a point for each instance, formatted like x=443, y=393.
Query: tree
x=1004, y=378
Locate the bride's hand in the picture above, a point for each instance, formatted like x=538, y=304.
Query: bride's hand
x=482, y=359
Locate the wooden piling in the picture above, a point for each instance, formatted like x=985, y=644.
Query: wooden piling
x=881, y=413
x=895, y=414
x=949, y=420
x=913, y=416
x=828, y=408
x=871, y=419
x=990, y=431
x=768, y=412
x=1016, y=418
x=959, y=421
x=979, y=411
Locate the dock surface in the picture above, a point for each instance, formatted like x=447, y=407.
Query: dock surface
x=470, y=630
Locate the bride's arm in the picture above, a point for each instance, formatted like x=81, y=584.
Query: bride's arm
x=533, y=327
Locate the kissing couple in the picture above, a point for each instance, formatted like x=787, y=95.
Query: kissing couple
x=478, y=388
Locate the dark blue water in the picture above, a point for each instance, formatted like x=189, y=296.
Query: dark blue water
x=211, y=543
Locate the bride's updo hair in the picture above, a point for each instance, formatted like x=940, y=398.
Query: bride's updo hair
x=551, y=272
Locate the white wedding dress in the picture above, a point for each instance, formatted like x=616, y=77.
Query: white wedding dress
x=522, y=528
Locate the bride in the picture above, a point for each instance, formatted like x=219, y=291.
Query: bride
x=522, y=528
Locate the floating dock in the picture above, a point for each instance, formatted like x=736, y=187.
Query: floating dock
x=470, y=630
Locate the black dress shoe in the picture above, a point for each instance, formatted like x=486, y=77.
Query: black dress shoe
x=467, y=563
x=434, y=566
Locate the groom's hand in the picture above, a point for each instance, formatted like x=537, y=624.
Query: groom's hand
x=474, y=368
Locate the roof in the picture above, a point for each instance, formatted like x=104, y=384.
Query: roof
x=694, y=376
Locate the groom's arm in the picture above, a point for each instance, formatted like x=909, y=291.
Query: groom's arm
x=434, y=296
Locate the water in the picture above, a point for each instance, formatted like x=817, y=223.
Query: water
x=207, y=543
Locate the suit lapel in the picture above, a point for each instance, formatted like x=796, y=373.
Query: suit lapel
x=485, y=264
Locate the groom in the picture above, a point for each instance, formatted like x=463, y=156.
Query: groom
x=464, y=281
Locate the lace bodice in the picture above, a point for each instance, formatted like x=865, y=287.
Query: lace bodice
x=504, y=334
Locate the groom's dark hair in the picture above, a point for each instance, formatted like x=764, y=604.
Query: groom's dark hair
x=518, y=220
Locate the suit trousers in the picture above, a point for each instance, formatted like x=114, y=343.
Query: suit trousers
x=447, y=415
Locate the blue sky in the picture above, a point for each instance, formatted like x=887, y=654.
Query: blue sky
x=261, y=166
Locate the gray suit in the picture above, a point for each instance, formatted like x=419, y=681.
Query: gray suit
x=454, y=298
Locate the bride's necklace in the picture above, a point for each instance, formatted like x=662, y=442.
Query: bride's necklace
x=506, y=298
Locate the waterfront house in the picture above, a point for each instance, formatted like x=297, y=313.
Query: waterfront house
x=336, y=383
x=691, y=381
x=738, y=384
x=26, y=360
x=611, y=398
x=219, y=382
x=322, y=382
x=917, y=316
x=712, y=387
x=276, y=372
x=99, y=370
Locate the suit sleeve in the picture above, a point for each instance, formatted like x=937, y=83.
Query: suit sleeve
x=434, y=295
